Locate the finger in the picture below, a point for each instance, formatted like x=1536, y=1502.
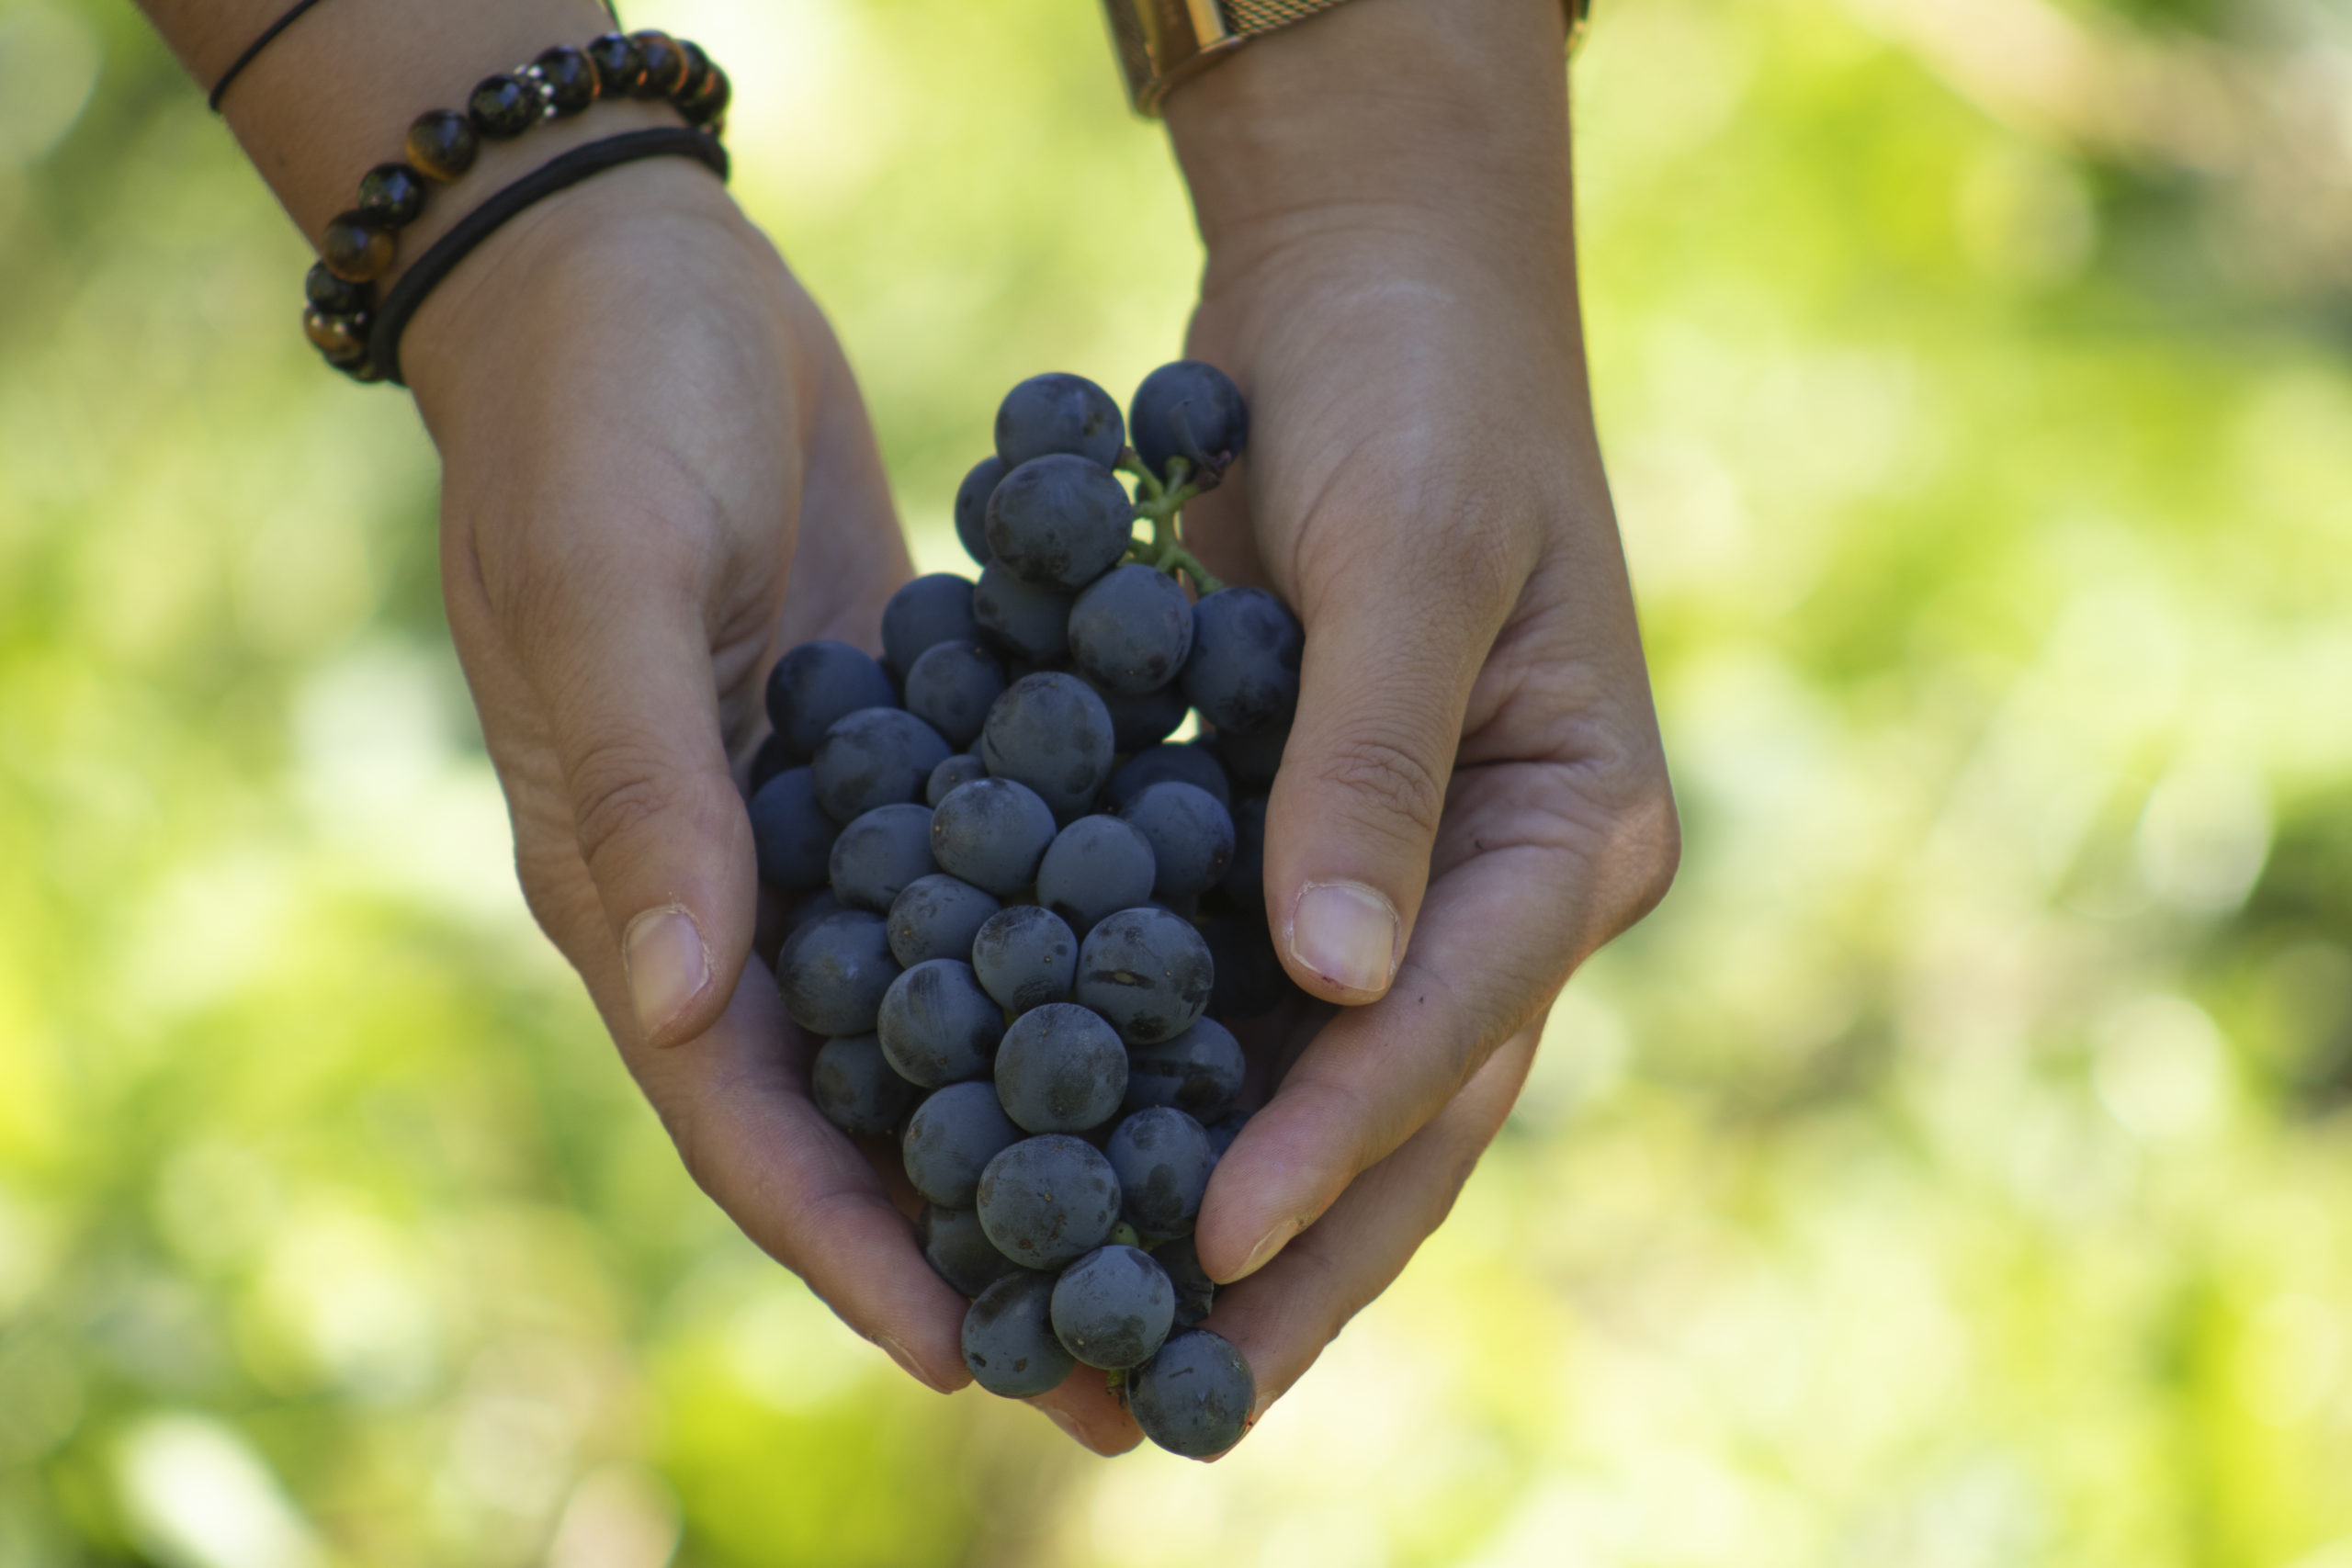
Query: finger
x=1281, y=1318
x=1392, y=648
x=1090, y=1414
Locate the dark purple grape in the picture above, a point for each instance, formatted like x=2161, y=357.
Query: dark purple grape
x=1190, y=409
x=792, y=836
x=1199, y=1072
x=937, y=1025
x=1060, y=1069
x=937, y=917
x=877, y=855
x=1162, y=1158
x=1024, y=622
x=1147, y=972
x=814, y=907
x=1177, y=763
x=855, y=1088
x=1195, y=1292
x=1048, y=1201
x=768, y=761
x=1058, y=413
x=992, y=833
x=1009, y=1340
x=1222, y=1134
x=951, y=687
x=1052, y=733
x=951, y=776
x=959, y=1252
x=972, y=506
x=1097, y=866
x=1140, y=722
x=834, y=972
x=1243, y=671
x=1195, y=1397
x=1245, y=875
x=1025, y=956
x=1251, y=760
x=1130, y=630
x=1113, y=1308
x=815, y=686
x=951, y=1138
x=875, y=757
x=1191, y=837
x=926, y=611
x=1060, y=522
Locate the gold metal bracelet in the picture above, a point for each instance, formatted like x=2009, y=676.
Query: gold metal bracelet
x=1163, y=43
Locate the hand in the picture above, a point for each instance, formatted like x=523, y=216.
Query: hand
x=657, y=474
x=1474, y=797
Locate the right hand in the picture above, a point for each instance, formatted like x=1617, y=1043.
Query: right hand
x=657, y=474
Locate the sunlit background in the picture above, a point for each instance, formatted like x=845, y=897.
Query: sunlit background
x=1953, y=1172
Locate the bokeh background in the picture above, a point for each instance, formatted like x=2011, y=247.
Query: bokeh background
x=1954, y=1170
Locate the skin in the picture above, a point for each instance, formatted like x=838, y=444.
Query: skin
x=636, y=407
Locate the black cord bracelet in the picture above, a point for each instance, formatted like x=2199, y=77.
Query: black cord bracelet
x=269, y=35
x=570, y=169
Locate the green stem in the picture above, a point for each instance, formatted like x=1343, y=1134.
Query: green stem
x=1160, y=504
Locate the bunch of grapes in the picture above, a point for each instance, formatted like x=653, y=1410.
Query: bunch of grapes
x=1023, y=912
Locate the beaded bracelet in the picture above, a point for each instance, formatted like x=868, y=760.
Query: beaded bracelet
x=358, y=246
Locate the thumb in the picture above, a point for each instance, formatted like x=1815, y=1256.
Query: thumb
x=1389, y=661
x=633, y=706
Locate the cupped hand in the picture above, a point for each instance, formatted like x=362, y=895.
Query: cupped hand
x=1474, y=797
x=657, y=473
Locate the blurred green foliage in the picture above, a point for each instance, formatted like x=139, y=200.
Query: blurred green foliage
x=1952, y=1172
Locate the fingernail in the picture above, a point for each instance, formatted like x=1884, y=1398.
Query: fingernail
x=1345, y=932
x=907, y=1362
x=668, y=965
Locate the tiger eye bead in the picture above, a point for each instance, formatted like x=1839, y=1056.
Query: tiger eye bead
x=341, y=337
x=333, y=295
x=698, y=71
x=442, y=144
x=504, y=106
x=707, y=106
x=619, y=69
x=665, y=64
x=571, y=77
x=393, y=193
x=356, y=247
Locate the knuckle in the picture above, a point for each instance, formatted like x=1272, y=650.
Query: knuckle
x=1385, y=783
x=617, y=786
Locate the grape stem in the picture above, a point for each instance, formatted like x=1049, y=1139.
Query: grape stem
x=1160, y=504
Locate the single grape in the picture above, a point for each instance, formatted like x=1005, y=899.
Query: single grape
x=768, y=761
x=855, y=1088
x=1052, y=733
x=951, y=775
x=1191, y=837
x=972, y=506
x=951, y=1138
x=1060, y=1069
x=1177, y=763
x=1023, y=621
x=1243, y=671
x=1190, y=409
x=1195, y=1397
x=1147, y=972
x=1251, y=760
x=1162, y=1158
x=1048, y=1201
x=877, y=855
x=1113, y=1307
x=1199, y=1072
x=937, y=917
x=815, y=906
x=1195, y=1292
x=1058, y=412
x=1245, y=874
x=792, y=836
x=834, y=972
x=951, y=688
x=1009, y=1340
x=1130, y=630
x=937, y=1025
x=926, y=611
x=1250, y=982
x=1137, y=723
x=1222, y=1134
x=1060, y=522
x=875, y=757
x=992, y=833
x=1096, y=866
x=1025, y=956
x=818, y=684
x=958, y=1250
